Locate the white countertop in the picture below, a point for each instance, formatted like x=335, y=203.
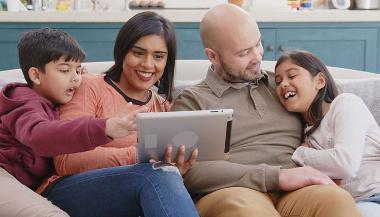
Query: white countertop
x=331, y=15
x=193, y=16
x=97, y=17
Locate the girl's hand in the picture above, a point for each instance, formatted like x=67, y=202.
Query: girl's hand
x=305, y=145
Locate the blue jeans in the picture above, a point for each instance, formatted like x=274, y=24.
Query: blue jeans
x=136, y=190
x=369, y=207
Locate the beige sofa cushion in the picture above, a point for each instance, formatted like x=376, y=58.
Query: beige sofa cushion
x=193, y=70
x=197, y=69
x=189, y=72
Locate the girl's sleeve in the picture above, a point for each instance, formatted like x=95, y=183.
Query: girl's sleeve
x=351, y=120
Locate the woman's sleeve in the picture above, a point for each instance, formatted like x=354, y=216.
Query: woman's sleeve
x=100, y=157
x=87, y=101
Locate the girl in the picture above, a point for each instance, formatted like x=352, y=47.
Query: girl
x=342, y=138
x=102, y=182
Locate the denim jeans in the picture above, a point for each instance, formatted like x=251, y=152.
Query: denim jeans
x=369, y=207
x=136, y=190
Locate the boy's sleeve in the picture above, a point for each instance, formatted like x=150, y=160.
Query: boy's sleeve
x=87, y=101
x=31, y=126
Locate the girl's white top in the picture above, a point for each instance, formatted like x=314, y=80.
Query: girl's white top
x=346, y=146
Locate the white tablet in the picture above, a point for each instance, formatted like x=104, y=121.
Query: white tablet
x=207, y=130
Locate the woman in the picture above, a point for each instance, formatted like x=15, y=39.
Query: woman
x=102, y=182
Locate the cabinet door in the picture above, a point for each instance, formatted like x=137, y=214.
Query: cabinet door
x=97, y=43
x=8, y=47
x=189, y=44
x=268, y=39
x=354, y=48
x=97, y=40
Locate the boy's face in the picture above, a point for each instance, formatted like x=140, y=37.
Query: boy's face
x=59, y=81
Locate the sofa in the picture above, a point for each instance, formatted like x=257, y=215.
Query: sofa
x=189, y=72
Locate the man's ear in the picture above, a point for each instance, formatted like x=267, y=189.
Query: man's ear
x=320, y=81
x=35, y=75
x=212, y=56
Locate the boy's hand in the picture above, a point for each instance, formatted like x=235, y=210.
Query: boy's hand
x=122, y=124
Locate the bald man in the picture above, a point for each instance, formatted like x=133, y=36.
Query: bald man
x=258, y=178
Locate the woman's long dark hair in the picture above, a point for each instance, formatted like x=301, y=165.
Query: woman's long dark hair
x=315, y=66
x=140, y=25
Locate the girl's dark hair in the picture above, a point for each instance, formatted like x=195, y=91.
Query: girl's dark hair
x=315, y=66
x=38, y=47
x=140, y=25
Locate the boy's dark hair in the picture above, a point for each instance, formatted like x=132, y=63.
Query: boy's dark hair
x=38, y=47
x=144, y=24
x=314, y=66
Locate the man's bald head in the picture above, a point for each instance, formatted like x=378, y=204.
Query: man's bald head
x=221, y=24
x=232, y=43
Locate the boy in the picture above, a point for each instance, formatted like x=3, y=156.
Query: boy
x=30, y=132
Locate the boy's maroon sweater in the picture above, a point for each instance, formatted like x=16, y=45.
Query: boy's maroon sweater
x=31, y=133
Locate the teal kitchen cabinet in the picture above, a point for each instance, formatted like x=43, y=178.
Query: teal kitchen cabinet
x=348, y=48
x=189, y=44
x=8, y=54
x=268, y=40
x=98, y=43
x=97, y=40
x=347, y=45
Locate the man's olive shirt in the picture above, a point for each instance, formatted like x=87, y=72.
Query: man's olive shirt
x=263, y=139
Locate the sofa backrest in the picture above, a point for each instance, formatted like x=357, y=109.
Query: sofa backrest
x=195, y=70
x=189, y=72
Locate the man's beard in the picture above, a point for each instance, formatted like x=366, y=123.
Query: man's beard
x=235, y=77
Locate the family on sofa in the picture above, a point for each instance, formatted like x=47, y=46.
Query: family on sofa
x=297, y=147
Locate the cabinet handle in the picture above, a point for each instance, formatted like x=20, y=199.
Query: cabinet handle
x=270, y=48
x=281, y=48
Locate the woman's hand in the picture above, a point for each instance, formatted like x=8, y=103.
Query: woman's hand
x=179, y=161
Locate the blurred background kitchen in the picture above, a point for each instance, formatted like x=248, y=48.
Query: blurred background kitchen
x=344, y=33
x=120, y=5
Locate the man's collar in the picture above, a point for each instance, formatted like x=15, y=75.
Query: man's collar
x=218, y=85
